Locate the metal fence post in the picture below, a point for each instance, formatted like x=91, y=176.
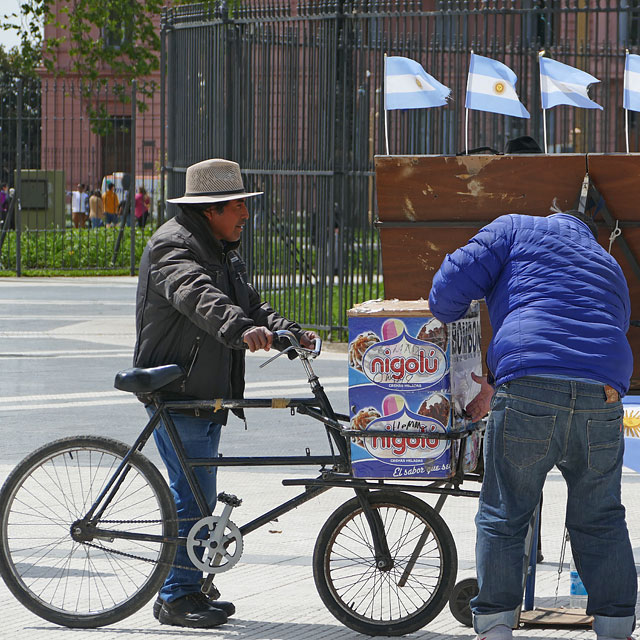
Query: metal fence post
x=163, y=113
x=18, y=188
x=132, y=187
x=231, y=62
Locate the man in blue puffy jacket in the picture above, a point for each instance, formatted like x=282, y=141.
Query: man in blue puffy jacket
x=559, y=360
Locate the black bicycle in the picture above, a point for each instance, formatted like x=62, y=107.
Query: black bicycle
x=89, y=526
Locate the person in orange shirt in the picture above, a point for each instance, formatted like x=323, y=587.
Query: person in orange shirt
x=110, y=203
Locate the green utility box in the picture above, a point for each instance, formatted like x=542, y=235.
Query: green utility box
x=43, y=199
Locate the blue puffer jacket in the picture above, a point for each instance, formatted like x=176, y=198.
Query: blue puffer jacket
x=558, y=302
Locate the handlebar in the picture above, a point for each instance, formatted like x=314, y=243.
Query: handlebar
x=303, y=352
x=311, y=353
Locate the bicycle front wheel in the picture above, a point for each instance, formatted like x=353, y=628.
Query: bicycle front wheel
x=100, y=580
x=394, y=600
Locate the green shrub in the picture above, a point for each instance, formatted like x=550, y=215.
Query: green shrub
x=72, y=249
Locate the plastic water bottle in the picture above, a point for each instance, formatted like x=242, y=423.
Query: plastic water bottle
x=577, y=592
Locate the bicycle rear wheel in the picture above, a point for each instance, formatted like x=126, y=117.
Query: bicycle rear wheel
x=100, y=581
x=392, y=601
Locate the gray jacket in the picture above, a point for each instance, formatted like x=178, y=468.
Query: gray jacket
x=192, y=306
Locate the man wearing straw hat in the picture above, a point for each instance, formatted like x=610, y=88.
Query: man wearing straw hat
x=195, y=308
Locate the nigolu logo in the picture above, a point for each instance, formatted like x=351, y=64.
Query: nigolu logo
x=404, y=362
x=398, y=449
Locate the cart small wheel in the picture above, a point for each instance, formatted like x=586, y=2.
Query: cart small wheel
x=459, y=599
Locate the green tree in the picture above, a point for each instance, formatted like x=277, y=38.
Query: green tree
x=128, y=44
x=17, y=64
x=127, y=41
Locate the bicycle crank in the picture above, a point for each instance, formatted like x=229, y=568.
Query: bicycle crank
x=214, y=543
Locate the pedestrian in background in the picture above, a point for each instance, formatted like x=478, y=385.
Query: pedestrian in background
x=111, y=204
x=96, y=210
x=78, y=207
x=142, y=206
x=4, y=201
x=560, y=361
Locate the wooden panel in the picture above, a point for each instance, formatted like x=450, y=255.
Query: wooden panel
x=476, y=189
x=413, y=188
x=617, y=178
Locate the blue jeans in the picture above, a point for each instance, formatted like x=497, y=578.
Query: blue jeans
x=200, y=438
x=536, y=424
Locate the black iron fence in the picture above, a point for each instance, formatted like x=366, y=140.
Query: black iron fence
x=63, y=140
x=293, y=92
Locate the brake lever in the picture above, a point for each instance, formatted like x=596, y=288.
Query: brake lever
x=272, y=358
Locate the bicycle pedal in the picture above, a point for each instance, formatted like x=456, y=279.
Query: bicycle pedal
x=209, y=589
x=230, y=499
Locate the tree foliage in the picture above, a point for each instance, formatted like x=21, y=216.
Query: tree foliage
x=116, y=35
x=102, y=37
x=17, y=66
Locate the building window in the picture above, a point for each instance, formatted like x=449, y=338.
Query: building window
x=629, y=22
x=116, y=146
x=116, y=33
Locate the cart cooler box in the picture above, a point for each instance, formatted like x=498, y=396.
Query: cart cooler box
x=408, y=371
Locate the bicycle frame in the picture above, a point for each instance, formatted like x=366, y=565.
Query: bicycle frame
x=334, y=468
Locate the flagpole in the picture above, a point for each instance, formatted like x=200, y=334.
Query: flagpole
x=466, y=131
x=466, y=120
x=384, y=97
x=626, y=127
x=544, y=111
x=626, y=111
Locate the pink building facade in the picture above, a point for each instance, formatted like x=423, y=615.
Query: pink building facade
x=89, y=129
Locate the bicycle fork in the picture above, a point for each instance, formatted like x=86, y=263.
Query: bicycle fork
x=384, y=561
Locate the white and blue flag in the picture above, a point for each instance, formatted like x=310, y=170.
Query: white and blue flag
x=491, y=86
x=562, y=84
x=408, y=86
x=632, y=82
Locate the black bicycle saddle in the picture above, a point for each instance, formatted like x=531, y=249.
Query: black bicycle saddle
x=137, y=380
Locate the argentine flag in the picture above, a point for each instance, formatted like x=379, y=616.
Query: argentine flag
x=631, y=422
x=491, y=86
x=632, y=82
x=562, y=84
x=408, y=86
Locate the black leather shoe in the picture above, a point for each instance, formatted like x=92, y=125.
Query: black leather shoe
x=193, y=610
x=227, y=607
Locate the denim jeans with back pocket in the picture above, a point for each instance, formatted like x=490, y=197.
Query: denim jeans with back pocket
x=534, y=425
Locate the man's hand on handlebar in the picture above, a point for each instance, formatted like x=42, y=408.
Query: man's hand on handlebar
x=258, y=338
x=307, y=340
x=261, y=338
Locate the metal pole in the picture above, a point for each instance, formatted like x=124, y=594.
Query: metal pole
x=132, y=187
x=18, y=188
x=163, y=113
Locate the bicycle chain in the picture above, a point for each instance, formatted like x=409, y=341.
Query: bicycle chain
x=150, y=521
x=135, y=557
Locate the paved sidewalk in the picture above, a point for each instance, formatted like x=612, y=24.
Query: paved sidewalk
x=272, y=585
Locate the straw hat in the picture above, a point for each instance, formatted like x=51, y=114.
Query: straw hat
x=213, y=181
